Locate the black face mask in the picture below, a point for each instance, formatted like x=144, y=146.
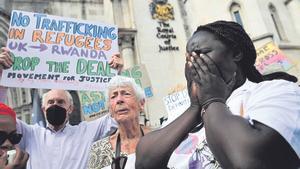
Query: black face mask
x=56, y=115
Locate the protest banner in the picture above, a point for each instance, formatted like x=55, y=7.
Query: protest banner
x=176, y=103
x=141, y=77
x=271, y=59
x=93, y=104
x=57, y=52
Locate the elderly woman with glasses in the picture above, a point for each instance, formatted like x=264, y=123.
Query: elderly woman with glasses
x=8, y=140
x=126, y=100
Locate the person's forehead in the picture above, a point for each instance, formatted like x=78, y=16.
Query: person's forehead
x=202, y=38
x=7, y=123
x=56, y=95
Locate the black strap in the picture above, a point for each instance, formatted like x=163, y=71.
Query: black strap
x=118, y=144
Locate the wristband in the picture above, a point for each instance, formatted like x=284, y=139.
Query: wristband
x=208, y=102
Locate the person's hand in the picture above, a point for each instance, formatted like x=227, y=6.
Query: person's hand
x=3, y=160
x=192, y=87
x=19, y=161
x=208, y=78
x=5, y=59
x=116, y=62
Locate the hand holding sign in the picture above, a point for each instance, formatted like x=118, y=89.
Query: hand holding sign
x=116, y=62
x=5, y=59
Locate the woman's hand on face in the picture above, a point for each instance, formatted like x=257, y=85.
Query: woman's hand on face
x=5, y=59
x=192, y=87
x=116, y=62
x=207, y=76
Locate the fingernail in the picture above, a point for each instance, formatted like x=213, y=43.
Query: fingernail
x=192, y=59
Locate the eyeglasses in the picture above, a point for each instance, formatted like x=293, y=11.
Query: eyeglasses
x=13, y=137
x=119, y=162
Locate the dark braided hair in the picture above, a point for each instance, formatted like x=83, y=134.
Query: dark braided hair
x=234, y=36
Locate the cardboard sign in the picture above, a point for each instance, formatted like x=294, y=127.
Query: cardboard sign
x=271, y=59
x=93, y=104
x=176, y=104
x=57, y=52
x=140, y=75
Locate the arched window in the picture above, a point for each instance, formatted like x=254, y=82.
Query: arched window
x=277, y=23
x=235, y=10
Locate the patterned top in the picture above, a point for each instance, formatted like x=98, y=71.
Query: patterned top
x=101, y=154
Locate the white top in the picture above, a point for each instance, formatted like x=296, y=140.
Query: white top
x=67, y=148
x=274, y=103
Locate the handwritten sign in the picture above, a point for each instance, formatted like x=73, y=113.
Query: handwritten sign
x=93, y=104
x=176, y=104
x=57, y=52
x=270, y=59
x=141, y=77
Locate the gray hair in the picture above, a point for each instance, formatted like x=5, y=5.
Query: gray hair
x=118, y=81
x=69, y=96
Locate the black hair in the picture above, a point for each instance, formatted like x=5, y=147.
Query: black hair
x=280, y=75
x=235, y=37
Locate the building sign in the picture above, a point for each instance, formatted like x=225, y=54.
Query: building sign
x=162, y=11
x=271, y=59
x=166, y=33
x=56, y=52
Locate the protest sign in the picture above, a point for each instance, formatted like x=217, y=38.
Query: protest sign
x=271, y=59
x=140, y=75
x=57, y=52
x=176, y=104
x=93, y=104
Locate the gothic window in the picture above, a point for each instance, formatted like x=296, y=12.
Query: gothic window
x=277, y=23
x=235, y=10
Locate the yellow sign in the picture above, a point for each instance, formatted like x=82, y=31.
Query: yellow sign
x=271, y=59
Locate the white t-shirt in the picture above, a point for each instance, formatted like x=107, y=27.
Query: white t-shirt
x=274, y=103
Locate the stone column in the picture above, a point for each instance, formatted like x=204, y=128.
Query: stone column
x=126, y=44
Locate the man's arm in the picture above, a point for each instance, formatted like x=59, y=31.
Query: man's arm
x=26, y=131
x=101, y=127
x=155, y=148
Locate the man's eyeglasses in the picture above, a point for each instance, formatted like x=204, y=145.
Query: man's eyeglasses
x=13, y=137
x=119, y=162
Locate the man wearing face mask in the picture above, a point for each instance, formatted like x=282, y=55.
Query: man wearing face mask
x=60, y=145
